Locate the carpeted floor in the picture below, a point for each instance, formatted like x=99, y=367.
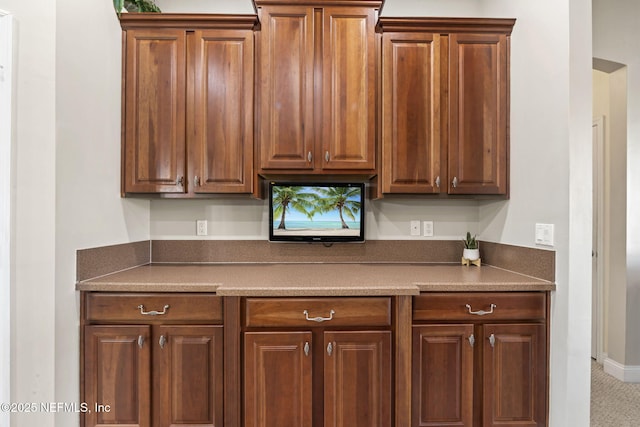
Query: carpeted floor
x=613, y=402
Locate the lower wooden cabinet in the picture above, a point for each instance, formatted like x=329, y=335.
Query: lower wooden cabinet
x=156, y=374
x=278, y=387
x=355, y=372
x=442, y=392
x=481, y=369
x=317, y=376
x=473, y=359
x=357, y=379
x=117, y=375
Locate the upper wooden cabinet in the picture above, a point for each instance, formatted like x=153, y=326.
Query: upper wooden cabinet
x=187, y=103
x=317, y=87
x=445, y=105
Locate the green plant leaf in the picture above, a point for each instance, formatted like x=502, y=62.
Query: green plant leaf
x=141, y=6
x=470, y=242
x=118, y=5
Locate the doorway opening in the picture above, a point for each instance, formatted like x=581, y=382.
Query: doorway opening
x=609, y=268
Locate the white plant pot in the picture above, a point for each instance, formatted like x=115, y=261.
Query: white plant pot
x=471, y=254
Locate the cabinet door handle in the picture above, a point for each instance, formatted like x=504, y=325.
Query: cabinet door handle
x=309, y=157
x=140, y=341
x=330, y=349
x=326, y=156
x=180, y=181
x=306, y=348
x=318, y=319
x=492, y=340
x=153, y=312
x=196, y=181
x=481, y=312
x=162, y=341
x=454, y=183
x=438, y=181
x=472, y=340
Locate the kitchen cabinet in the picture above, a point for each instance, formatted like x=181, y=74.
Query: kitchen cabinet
x=317, y=87
x=445, y=105
x=187, y=104
x=152, y=360
x=480, y=359
x=317, y=361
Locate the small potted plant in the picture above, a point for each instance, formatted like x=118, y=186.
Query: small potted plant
x=471, y=248
x=135, y=6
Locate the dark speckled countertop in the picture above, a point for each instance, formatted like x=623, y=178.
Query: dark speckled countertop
x=314, y=279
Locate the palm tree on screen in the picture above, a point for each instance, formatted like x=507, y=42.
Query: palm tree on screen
x=285, y=198
x=345, y=199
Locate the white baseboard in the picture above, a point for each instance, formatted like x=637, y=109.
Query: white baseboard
x=625, y=373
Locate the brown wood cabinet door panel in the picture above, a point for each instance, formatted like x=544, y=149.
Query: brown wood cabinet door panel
x=221, y=134
x=125, y=307
x=451, y=306
x=286, y=87
x=117, y=374
x=188, y=378
x=329, y=312
x=357, y=379
x=478, y=145
x=154, y=111
x=515, y=372
x=349, y=87
x=442, y=375
x=277, y=379
x=412, y=136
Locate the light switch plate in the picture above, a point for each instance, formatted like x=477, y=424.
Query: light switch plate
x=544, y=234
x=427, y=228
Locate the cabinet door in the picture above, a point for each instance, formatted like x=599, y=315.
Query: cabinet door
x=277, y=379
x=479, y=109
x=412, y=133
x=286, y=87
x=220, y=126
x=154, y=111
x=349, y=88
x=442, y=383
x=188, y=376
x=357, y=379
x=514, y=375
x=116, y=375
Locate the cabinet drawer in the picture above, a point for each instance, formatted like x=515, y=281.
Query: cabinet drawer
x=154, y=308
x=308, y=312
x=481, y=306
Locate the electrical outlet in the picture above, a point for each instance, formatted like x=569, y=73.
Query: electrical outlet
x=201, y=227
x=415, y=228
x=427, y=228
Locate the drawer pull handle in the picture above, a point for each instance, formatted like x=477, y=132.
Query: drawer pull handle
x=153, y=312
x=318, y=319
x=480, y=312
